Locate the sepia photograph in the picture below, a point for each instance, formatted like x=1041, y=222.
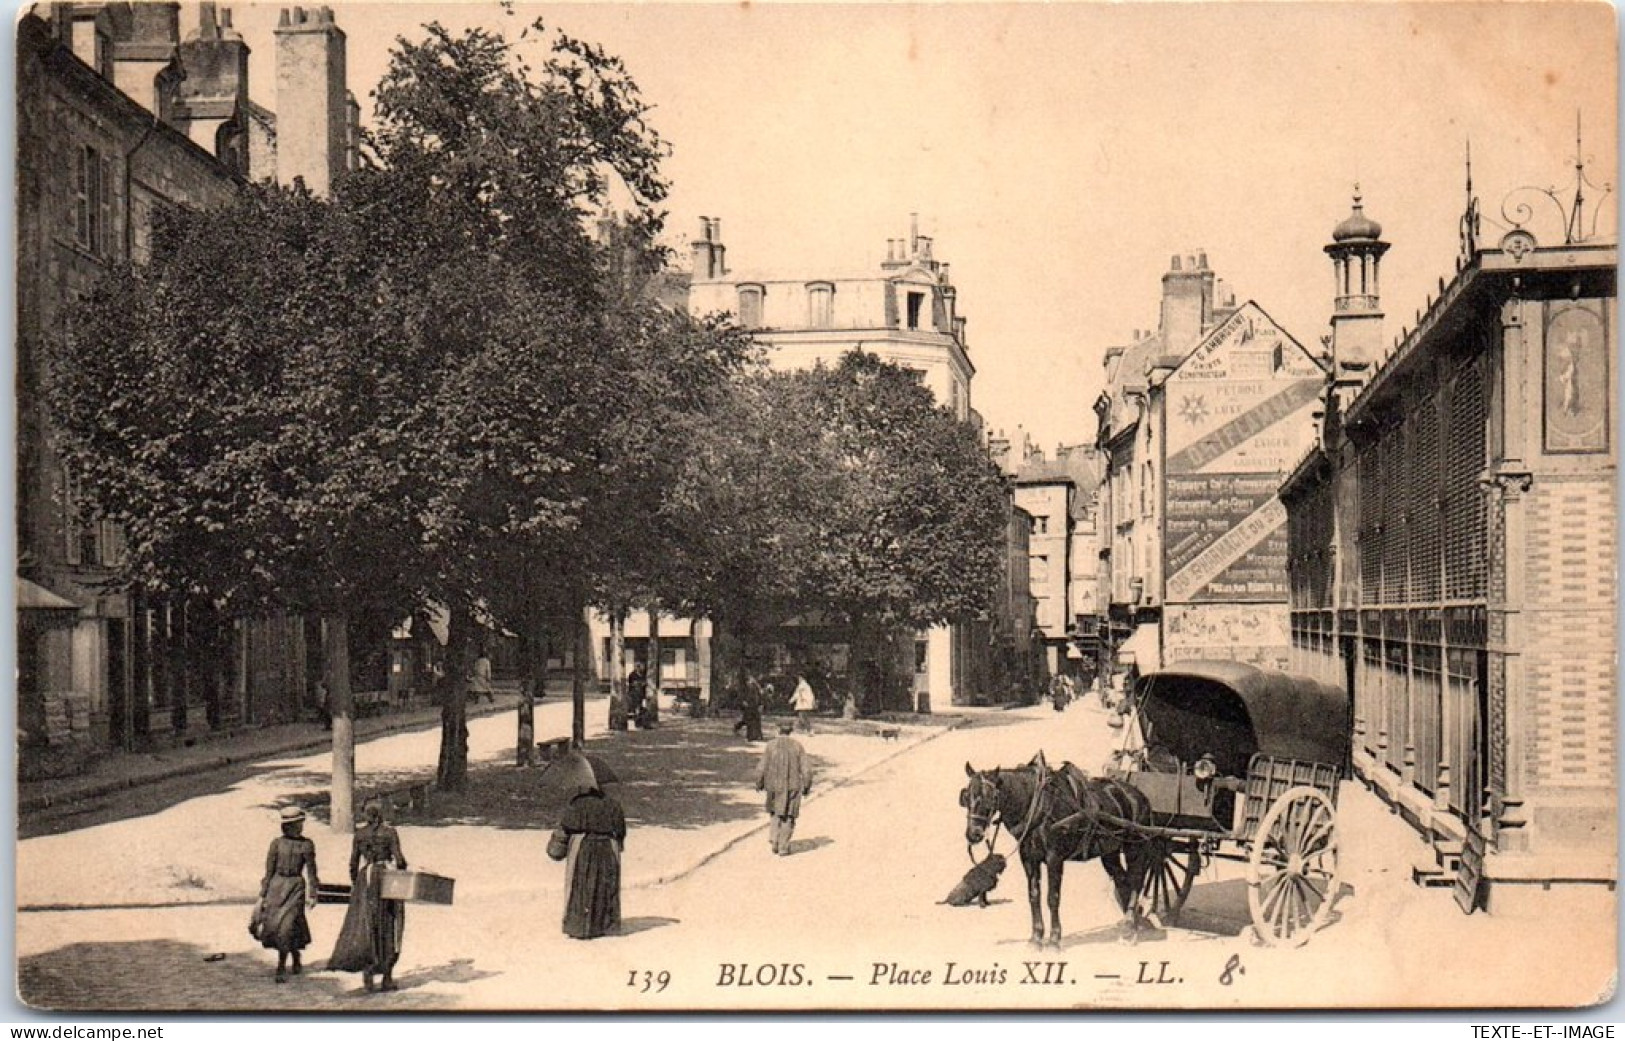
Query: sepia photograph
x=777, y=507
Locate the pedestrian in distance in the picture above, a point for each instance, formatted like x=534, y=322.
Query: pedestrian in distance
x=324, y=705
x=750, y=709
x=803, y=701
x=370, y=940
x=785, y=777
x=637, y=690
x=479, y=680
x=589, y=839
x=286, y=891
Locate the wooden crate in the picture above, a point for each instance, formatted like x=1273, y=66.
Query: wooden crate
x=417, y=886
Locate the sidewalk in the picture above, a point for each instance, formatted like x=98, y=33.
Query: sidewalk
x=687, y=787
x=117, y=771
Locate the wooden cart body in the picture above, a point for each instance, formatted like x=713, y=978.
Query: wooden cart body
x=1240, y=761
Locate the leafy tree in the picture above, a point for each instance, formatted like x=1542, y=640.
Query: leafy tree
x=392, y=396
x=843, y=491
x=564, y=384
x=245, y=440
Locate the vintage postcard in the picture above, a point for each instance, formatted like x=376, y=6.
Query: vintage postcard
x=809, y=507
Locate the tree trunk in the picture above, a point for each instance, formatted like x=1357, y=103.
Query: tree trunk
x=654, y=665
x=341, y=703
x=614, y=666
x=532, y=683
x=178, y=670
x=578, y=677
x=452, y=770
x=702, y=659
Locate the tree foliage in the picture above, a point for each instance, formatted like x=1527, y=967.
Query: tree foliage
x=847, y=492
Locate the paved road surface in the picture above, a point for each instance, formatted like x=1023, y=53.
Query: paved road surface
x=852, y=921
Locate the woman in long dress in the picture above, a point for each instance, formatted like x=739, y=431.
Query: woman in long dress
x=595, y=826
x=288, y=888
x=370, y=940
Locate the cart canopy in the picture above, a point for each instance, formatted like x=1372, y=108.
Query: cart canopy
x=1232, y=710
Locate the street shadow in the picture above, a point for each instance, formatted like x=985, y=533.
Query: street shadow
x=1217, y=908
x=645, y=923
x=992, y=901
x=141, y=800
x=154, y=975
x=682, y=775
x=798, y=846
x=458, y=970
x=144, y=798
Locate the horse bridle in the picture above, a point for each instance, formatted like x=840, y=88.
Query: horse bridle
x=980, y=782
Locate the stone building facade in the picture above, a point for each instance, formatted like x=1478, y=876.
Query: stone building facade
x=119, y=119
x=1453, y=552
x=905, y=313
x=1198, y=423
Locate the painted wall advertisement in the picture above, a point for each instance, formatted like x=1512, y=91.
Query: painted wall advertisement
x=1259, y=634
x=1239, y=417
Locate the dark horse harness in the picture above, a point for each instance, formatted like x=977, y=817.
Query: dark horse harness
x=1096, y=821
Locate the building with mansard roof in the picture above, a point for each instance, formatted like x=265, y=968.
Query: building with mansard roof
x=906, y=313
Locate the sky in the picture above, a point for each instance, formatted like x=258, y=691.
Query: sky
x=1060, y=153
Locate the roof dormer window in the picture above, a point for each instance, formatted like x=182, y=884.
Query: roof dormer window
x=750, y=305
x=820, y=305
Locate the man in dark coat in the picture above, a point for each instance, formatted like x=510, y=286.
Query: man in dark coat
x=785, y=777
x=750, y=709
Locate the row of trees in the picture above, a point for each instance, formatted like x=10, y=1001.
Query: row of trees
x=454, y=382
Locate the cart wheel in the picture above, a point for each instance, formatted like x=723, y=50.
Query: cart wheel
x=1292, y=869
x=1171, y=872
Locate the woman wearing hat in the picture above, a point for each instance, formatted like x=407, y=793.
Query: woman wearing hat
x=288, y=888
x=370, y=940
x=590, y=839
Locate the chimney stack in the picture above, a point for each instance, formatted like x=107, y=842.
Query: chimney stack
x=312, y=104
x=1187, y=303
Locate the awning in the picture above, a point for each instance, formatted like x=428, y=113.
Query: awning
x=45, y=607
x=1141, y=649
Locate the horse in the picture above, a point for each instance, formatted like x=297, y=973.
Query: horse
x=1056, y=816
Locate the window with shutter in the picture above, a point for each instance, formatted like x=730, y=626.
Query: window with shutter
x=104, y=244
x=1464, y=535
x=1393, y=520
x=1424, y=503
x=750, y=306
x=1370, y=482
x=70, y=520
x=93, y=201
x=81, y=196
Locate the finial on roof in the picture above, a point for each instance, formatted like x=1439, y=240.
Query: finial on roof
x=1357, y=225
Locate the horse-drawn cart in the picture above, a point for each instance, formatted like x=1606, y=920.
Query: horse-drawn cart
x=1238, y=761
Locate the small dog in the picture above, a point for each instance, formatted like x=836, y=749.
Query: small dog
x=978, y=882
x=891, y=734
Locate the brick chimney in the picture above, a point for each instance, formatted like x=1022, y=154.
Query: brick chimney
x=312, y=123
x=1187, y=302
x=710, y=255
x=214, y=95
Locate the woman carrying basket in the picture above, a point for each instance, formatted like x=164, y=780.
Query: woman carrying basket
x=370, y=940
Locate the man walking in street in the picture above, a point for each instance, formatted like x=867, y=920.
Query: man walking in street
x=804, y=701
x=785, y=777
x=479, y=681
